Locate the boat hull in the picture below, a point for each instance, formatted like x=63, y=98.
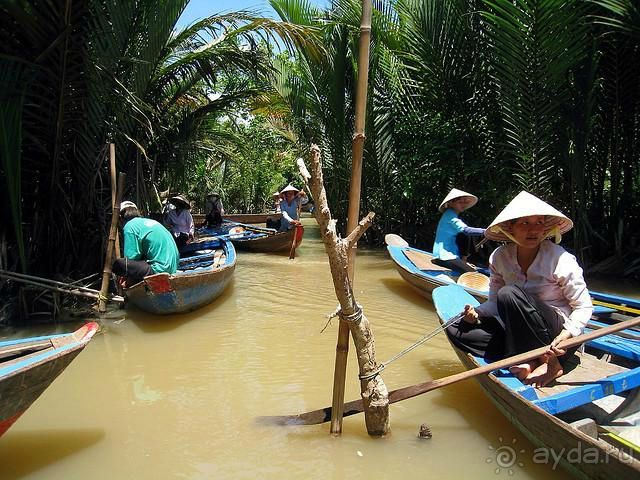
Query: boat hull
x=165, y=294
x=277, y=242
x=23, y=380
x=578, y=453
x=251, y=218
x=424, y=281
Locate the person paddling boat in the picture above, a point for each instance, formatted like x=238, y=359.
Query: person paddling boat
x=537, y=292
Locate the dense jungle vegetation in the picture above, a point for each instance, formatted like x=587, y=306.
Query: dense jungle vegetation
x=490, y=96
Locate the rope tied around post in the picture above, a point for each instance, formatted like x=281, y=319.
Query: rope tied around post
x=439, y=329
x=355, y=317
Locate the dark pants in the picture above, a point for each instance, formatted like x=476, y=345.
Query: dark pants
x=465, y=244
x=273, y=222
x=527, y=323
x=181, y=240
x=133, y=270
x=484, y=339
x=213, y=220
x=456, y=264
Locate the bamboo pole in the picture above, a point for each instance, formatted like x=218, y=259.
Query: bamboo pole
x=47, y=284
x=106, y=272
x=114, y=183
x=372, y=389
x=342, y=346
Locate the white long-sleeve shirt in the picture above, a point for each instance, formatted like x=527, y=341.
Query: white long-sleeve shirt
x=554, y=277
x=180, y=221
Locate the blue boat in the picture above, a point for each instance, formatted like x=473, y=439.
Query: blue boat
x=205, y=270
x=417, y=268
x=29, y=365
x=588, y=419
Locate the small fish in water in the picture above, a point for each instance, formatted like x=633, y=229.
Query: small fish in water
x=425, y=431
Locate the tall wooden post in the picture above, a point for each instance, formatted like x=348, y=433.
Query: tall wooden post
x=113, y=230
x=112, y=161
x=342, y=346
x=375, y=396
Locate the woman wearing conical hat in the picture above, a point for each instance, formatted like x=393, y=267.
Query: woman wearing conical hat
x=537, y=290
x=451, y=231
x=180, y=221
x=290, y=207
x=213, y=210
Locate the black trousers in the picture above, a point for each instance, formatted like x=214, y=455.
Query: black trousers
x=526, y=323
x=456, y=264
x=133, y=270
x=213, y=220
x=465, y=247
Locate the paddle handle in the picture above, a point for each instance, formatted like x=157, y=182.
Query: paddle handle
x=356, y=406
x=413, y=390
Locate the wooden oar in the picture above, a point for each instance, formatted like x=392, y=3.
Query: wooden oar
x=269, y=231
x=394, y=240
x=356, y=406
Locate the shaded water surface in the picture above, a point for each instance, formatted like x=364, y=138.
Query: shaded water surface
x=155, y=398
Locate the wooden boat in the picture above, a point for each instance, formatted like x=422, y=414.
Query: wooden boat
x=252, y=218
x=205, y=270
x=29, y=365
x=257, y=239
x=588, y=419
x=416, y=267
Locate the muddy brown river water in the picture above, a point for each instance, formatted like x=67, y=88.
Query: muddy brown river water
x=177, y=397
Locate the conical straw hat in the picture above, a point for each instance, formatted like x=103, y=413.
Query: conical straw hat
x=180, y=201
x=455, y=193
x=524, y=205
x=289, y=188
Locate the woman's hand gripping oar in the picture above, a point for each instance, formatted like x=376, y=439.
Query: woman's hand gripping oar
x=351, y=408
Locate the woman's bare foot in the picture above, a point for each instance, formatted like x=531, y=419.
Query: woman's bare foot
x=522, y=371
x=545, y=373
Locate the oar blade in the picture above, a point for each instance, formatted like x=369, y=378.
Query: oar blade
x=316, y=417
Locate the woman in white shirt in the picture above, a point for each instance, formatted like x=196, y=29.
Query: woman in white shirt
x=537, y=290
x=180, y=221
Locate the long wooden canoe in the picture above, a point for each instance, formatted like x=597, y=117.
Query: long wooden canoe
x=416, y=267
x=205, y=270
x=29, y=365
x=588, y=419
x=257, y=239
x=252, y=218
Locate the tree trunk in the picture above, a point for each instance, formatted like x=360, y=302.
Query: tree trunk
x=373, y=390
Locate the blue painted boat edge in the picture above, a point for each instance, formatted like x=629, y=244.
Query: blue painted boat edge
x=18, y=341
x=402, y=260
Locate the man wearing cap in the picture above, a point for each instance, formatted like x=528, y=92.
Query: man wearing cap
x=213, y=210
x=148, y=247
x=446, y=250
x=180, y=221
x=290, y=207
x=537, y=290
